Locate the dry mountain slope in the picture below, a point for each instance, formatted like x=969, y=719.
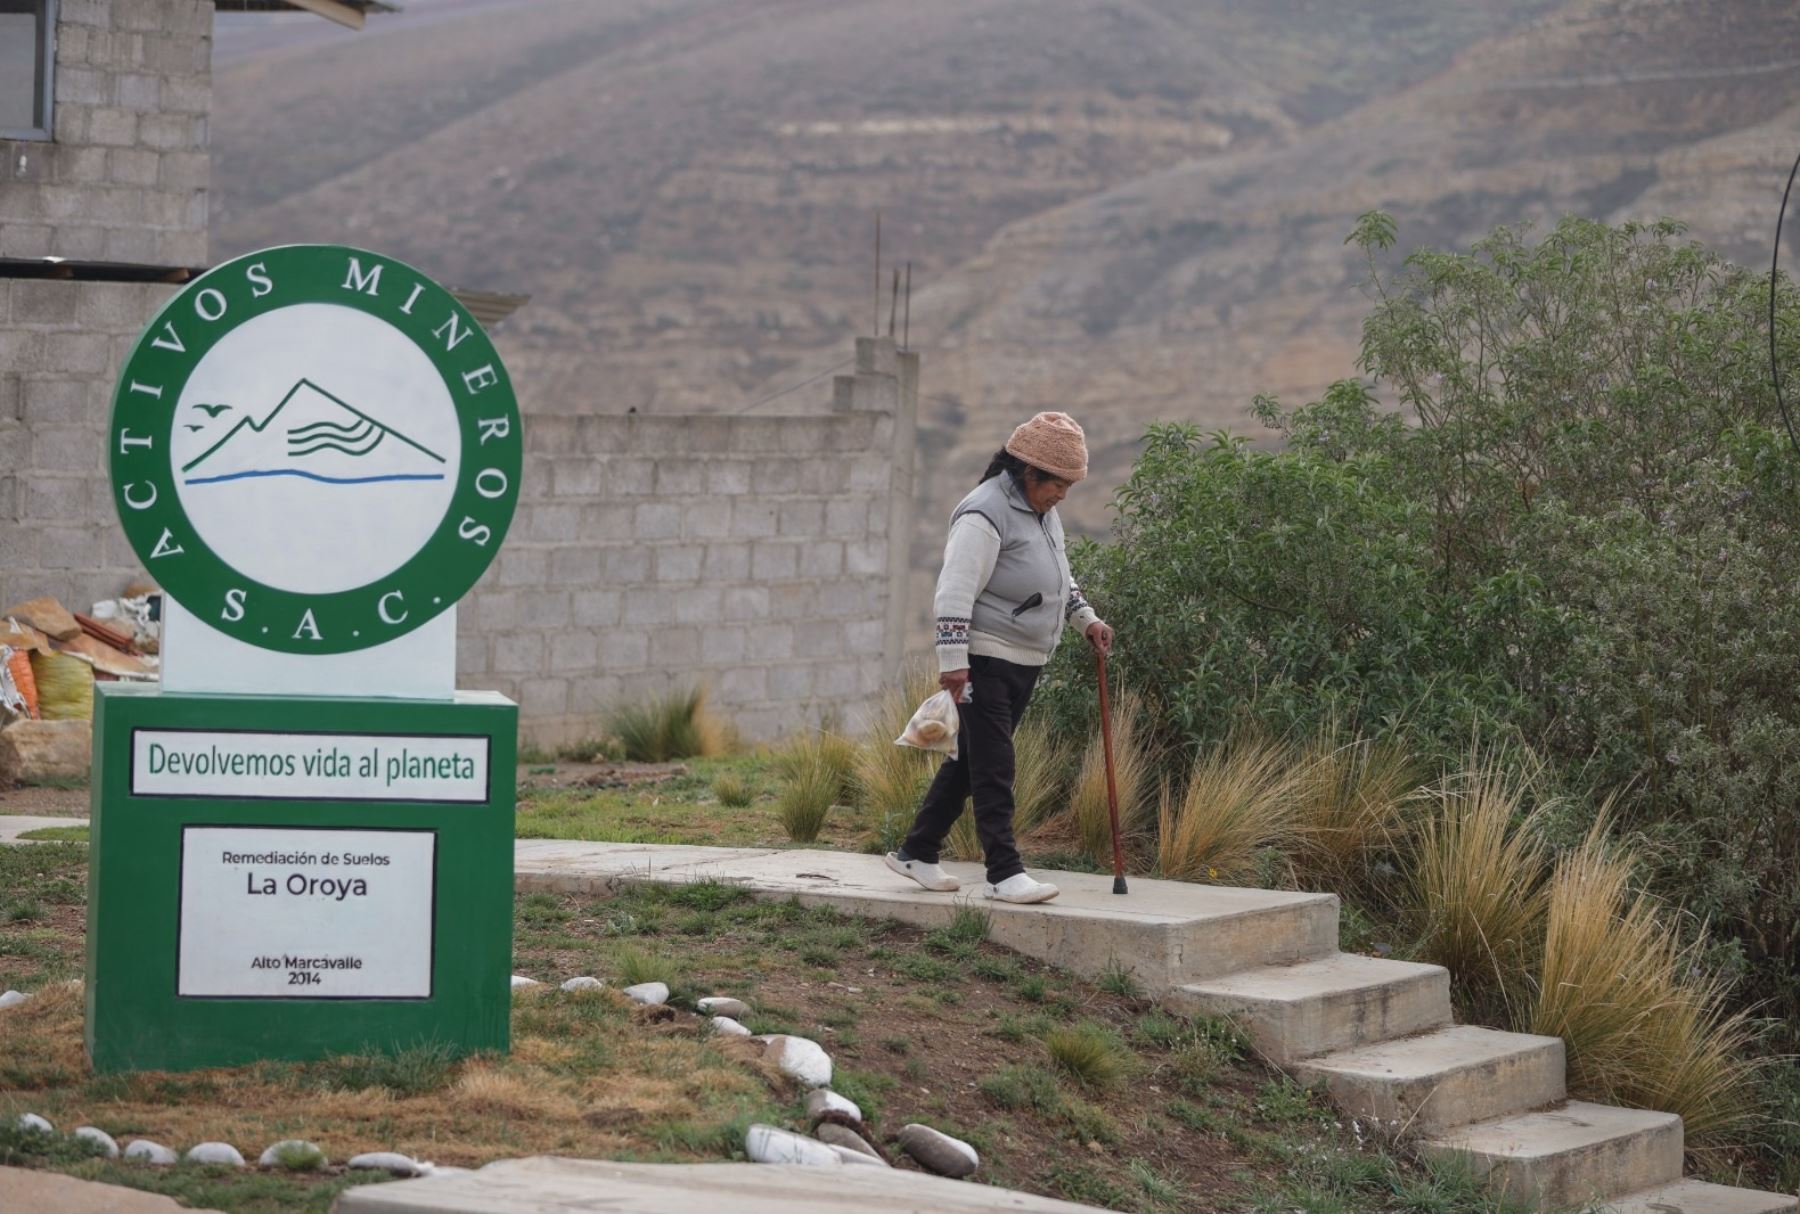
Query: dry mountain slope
x=1185, y=292
x=685, y=186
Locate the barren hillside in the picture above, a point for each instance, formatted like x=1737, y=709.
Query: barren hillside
x=1127, y=208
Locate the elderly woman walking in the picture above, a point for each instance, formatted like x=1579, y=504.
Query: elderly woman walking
x=1003, y=599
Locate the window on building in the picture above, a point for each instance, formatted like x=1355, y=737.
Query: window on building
x=27, y=58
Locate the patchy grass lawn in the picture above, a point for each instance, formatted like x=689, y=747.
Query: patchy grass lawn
x=1065, y=1087
x=681, y=809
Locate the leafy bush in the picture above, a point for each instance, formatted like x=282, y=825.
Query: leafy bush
x=1576, y=537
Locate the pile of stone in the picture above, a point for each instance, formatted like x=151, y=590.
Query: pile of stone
x=288, y=1155
x=839, y=1135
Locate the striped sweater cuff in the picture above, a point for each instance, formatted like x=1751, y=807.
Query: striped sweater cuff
x=952, y=643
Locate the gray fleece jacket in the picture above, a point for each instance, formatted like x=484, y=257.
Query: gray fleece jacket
x=1005, y=590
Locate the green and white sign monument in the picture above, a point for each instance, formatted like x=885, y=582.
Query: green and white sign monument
x=302, y=839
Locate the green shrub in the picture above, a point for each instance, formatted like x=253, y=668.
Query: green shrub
x=1574, y=538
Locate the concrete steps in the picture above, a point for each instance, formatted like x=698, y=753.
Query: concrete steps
x=1698, y=1197
x=1297, y=1011
x=1377, y=1033
x=1442, y=1079
x=1570, y=1155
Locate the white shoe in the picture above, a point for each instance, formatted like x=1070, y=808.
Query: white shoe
x=929, y=876
x=1020, y=888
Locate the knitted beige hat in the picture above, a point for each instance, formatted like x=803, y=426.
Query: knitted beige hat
x=1053, y=442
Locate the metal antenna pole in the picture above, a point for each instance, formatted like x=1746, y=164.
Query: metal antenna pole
x=906, y=325
x=876, y=331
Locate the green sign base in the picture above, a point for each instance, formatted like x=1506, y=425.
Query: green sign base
x=282, y=878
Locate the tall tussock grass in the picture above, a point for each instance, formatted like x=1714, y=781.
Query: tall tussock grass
x=820, y=748
x=1477, y=882
x=812, y=785
x=1236, y=807
x=891, y=780
x=1644, y=1025
x=675, y=726
x=1350, y=805
x=1134, y=762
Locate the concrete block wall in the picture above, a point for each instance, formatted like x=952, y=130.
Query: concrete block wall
x=746, y=554
x=125, y=176
x=654, y=554
x=62, y=343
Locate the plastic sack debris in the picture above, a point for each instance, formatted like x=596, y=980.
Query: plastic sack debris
x=933, y=725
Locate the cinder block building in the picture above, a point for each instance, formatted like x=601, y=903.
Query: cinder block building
x=762, y=557
x=104, y=170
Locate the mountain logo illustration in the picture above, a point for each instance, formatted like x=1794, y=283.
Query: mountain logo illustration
x=315, y=436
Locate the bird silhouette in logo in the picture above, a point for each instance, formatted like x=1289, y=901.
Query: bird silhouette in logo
x=195, y=426
x=212, y=410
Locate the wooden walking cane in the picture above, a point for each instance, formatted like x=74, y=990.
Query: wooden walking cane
x=1112, y=788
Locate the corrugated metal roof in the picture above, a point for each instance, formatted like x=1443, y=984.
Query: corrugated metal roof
x=489, y=307
x=344, y=12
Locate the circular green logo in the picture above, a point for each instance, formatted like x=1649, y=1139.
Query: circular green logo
x=315, y=449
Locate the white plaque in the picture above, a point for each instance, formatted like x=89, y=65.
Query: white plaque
x=251, y=765
x=306, y=914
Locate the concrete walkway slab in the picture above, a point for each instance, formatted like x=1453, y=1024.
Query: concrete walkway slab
x=14, y=825
x=549, y=1185
x=29, y=1191
x=1165, y=932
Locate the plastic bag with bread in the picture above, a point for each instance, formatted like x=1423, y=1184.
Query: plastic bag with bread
x=933, y=726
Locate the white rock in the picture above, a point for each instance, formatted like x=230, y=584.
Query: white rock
x=583, y=983
x=97, y=1135
x=821, y=1101
x=145, y=1151
x=648, y=992
x=12, y=999
x=851, y=1155
x=844, y=1138
x=800, y=1059
x=519, y=980
x=215, y=1152
x=766, y=1144
x=294, y=1153
x=937, y=1152
x=728, y=1027
x=390, y=1161
x=723, y=1005
x=31, y=1121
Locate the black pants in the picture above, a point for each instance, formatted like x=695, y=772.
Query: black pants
x=983, y=766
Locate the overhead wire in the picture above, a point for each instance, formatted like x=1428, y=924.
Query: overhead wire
x=838, y=366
